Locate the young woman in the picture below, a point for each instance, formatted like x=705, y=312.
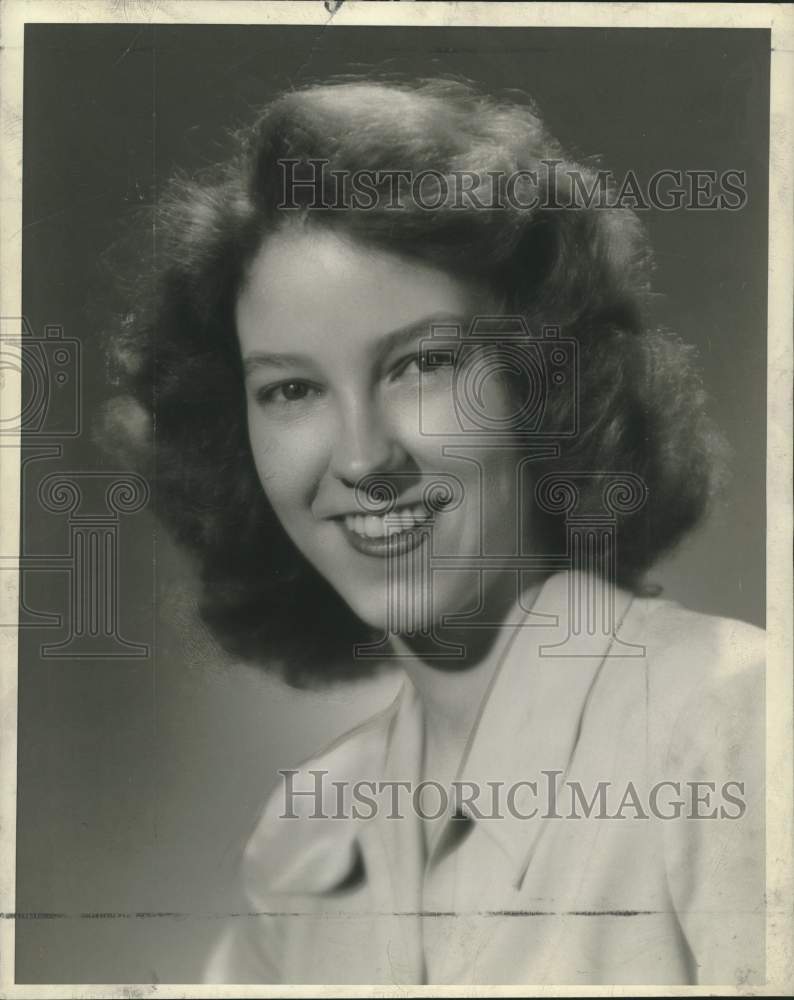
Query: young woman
x=408, y=413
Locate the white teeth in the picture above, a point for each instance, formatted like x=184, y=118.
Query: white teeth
x=375, y=526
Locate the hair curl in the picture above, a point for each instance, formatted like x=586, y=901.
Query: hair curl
x=585, y=270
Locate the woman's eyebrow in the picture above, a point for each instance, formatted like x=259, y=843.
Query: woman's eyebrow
x=263, y=359
x=451, y=323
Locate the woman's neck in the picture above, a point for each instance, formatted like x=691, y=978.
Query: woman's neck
x=453, y=691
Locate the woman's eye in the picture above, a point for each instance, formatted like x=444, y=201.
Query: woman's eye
x=294, y=391
x=418, y=365
x=433, y=362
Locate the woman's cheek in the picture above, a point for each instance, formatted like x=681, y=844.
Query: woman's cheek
x=425, y=412
x=290, y=458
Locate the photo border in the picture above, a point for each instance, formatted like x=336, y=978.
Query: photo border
x=15, y=14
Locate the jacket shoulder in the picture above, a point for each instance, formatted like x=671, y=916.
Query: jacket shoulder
x=706, y=684
x=705, y=681
x=305, y=839
x=687, y=649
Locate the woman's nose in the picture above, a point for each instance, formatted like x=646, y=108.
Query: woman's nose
x=364, y=444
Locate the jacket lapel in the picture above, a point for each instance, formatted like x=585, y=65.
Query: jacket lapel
x=531, y=720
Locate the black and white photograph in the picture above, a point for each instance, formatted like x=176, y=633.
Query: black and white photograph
x=396, y=499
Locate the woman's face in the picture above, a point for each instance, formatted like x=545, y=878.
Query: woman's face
x=340, y=387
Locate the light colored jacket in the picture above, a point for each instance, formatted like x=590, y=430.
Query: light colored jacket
x=604, y=885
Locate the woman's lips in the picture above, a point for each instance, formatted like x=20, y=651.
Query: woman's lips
x=390, y=534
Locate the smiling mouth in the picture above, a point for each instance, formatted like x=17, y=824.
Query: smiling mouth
x=393, y=533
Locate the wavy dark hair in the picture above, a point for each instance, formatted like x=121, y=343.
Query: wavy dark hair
x=583, y=269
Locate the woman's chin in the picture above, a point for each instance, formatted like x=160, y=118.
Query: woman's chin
x=390, y=614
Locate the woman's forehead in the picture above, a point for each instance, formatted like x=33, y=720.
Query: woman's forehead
x=306, y=288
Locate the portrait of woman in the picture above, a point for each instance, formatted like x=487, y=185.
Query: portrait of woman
x=410, y=415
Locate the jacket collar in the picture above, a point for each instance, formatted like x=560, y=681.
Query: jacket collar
x=304, y=843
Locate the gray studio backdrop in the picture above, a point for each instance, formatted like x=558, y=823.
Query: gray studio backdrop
x=139, y=776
